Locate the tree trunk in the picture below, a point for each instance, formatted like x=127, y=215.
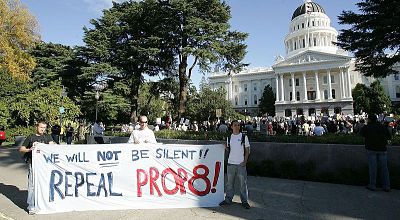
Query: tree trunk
x=183, y=87
x=134, y=95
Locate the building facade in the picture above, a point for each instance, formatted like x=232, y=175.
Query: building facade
x=315, y=76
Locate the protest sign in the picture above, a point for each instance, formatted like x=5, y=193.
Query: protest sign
x=127, y=176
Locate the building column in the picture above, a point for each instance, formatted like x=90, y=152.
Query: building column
x=282, y=89
x=329, y=84
x=342, y=87
x=318, y=97
x=348, y=82
x=293, y=88
x=304, y=86
x=277, y=87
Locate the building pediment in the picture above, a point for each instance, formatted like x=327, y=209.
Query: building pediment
x=311, y=57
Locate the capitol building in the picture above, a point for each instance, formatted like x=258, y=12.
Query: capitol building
x=315, y=76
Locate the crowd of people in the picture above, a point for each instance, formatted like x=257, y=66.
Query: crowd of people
x=376, y=132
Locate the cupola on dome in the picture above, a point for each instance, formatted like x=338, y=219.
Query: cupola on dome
x=307, y=7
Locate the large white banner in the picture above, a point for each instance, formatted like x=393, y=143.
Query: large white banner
x=127, y=176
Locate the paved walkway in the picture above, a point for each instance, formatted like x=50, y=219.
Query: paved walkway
x=270, y=199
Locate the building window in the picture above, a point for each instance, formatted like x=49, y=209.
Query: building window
x=255, y=100
x=290, y=82
x=288, y=113
x=311, y=95
x=245, y=101
x=295, y=45
x=255, y=87
x=397, y=91
x=396, y=76
x=325, y=111
x=298, y=96
x=333, y=93
x=311, y=111
x=290, y=96
x=332, y=79
x=325, y=80
x=297, y=82
x=325, y=94
x=236, y=100
x=315, y=41
x=304, y=43
x=245, y=87
x=302, y=25
x=313, y=23
x=236, y=88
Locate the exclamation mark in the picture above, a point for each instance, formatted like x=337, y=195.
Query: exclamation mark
x=205, y=153
x=216, y=175
x=201, y=152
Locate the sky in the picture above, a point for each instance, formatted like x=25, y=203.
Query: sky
x=266, y=22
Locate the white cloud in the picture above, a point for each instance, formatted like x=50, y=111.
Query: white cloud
x=99, y=5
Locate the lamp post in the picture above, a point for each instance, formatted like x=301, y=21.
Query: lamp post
x=97, y=96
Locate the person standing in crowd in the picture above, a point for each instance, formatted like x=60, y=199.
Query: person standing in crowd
x=98, y=132
x=55, y=133
x=143, y=134
x=376, y=137
x=319, y=130
x=26, y=150
x=223, y=128
x=69, y=133
x=239, y=149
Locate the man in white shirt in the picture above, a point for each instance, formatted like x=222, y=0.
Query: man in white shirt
x=143, y=134
x=238, y=155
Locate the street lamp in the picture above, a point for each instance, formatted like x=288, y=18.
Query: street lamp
x=97, y=96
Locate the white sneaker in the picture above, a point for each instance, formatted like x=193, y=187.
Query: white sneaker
x=31, y=211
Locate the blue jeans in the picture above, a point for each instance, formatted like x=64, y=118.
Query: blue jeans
x=232, y=172
x=375, y=159
x=31, y=195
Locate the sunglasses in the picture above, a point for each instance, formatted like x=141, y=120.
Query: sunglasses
x=143, y=122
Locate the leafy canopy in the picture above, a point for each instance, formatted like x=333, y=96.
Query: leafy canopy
x=374, y=36
x=18, y=33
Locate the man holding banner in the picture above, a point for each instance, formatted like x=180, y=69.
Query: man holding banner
x=26, y=150
x=238, y=148
x=143, y=134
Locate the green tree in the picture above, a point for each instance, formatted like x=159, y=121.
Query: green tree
x=126, y=43
x=372, y=99
x=200, y=36
x=151, y=102
x=374, y=36
x=4, y=114
x=202, y=106
x=267, y=102
x=361, y=99
x=379, y=101
x=18, y=33
x=51, y=61
x=42, y=103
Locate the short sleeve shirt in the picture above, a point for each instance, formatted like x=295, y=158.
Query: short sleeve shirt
x=46, y=139
x=236, y=155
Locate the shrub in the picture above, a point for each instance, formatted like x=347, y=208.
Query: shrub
x=23, y=131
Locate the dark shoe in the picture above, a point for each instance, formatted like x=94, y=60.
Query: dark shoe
x=246, y=205
x=370, y=189
x=386, y=190
x=224, y=203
